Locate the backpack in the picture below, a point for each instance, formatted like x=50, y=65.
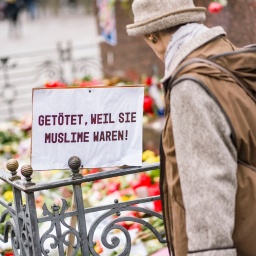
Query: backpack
x=244, y=75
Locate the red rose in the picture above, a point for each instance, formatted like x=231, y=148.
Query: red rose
x=55, y=84
x=215, y=7
x=158, y=206
x=145, y=179
x=112, y=187
x=154, y=190
x=8, y=254
x=148, y=81
x=135, y=226
x=148, y=104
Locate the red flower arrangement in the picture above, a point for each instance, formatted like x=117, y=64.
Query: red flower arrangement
x=54, y=84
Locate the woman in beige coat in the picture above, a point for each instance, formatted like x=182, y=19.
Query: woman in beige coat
x=208, y=178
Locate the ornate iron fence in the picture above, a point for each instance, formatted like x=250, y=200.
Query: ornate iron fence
x=21, y=72
x=22, y=222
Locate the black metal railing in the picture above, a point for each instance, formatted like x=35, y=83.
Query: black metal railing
x=21, y=220
x=21, y=72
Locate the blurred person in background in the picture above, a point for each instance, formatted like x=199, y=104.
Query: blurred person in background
x=12, y=13
x=2, y=9
x=31, y=6
x=208, y=156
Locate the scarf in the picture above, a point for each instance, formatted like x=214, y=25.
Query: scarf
x=182, y=36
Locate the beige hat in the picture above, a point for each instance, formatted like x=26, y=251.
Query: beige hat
x=154, y=15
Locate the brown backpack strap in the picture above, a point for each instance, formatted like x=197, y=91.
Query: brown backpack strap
x=221, y=68
x=230, y=74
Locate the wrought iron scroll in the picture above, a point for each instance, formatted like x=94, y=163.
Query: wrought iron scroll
x=56, y=218
x=49, y=69
x=4, y=218
x=26, y=235
x=85, y=66
x=113, y=225
x=8, y=92
x=22, y=223
x=21, y=72
x=11, y=228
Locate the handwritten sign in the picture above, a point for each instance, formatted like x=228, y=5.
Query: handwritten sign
x=101, y=125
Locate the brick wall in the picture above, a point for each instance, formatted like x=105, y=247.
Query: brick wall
x=132, y=57
x=237, y=18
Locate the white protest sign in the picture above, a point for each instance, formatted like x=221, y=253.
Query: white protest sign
x=101, y=125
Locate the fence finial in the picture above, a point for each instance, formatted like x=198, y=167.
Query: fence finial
x=27, y=172
x=12, y=166
x=74, y=163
